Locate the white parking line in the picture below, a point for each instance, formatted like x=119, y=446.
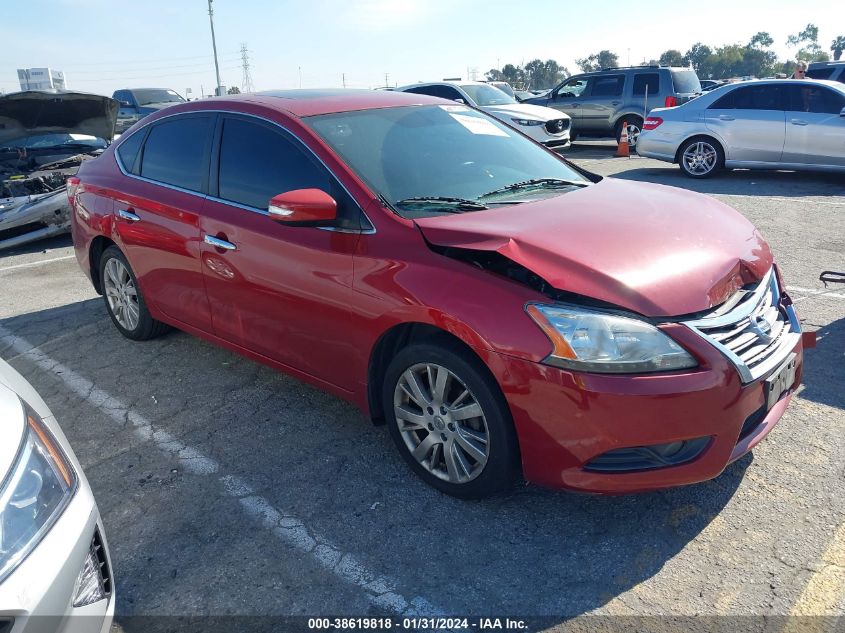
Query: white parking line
x=380, y=590
x=815, y=292
x=38, y=263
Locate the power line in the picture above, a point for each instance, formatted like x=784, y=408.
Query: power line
x=152, y=61
x=123, y=70
x=153, y=76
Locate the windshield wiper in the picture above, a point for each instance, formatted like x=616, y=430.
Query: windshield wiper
x=443, y=203
x=536, y=183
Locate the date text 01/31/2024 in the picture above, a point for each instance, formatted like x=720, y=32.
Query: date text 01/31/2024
x=417, y=623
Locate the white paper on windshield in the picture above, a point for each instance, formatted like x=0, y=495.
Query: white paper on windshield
x=477, y=125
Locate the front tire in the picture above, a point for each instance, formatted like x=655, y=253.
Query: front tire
x=449, y=420
x=701, y=157
x=124, y=301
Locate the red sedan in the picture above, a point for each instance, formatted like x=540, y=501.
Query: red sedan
x=503, y=312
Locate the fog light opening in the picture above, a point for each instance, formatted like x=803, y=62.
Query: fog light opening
x=93, y=583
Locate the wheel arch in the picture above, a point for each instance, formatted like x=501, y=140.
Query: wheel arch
x=95, y=251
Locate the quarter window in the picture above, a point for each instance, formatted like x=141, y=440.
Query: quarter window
x=176, y=152
x=609, y=86
x=128, y=151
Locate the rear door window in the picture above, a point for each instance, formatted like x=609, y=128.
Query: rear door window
x=649, y=81
x=176, y=152
x=815, y=99
x=758, y=97
x=607, y=86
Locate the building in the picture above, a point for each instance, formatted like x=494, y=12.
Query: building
x=41, y=79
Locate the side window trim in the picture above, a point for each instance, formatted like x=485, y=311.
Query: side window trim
x=367, y=227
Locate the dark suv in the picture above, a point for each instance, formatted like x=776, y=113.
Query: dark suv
x=599, y=102
x=832, y=71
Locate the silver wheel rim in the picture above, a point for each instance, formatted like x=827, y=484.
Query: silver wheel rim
x=121, y=294
x=441, y=422
x=633, y=134
x=700, y=158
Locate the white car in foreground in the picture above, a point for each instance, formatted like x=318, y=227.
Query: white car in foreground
x=53, y=555
x=546, y=125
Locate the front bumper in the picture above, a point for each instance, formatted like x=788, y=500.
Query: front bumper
x=564, y=420
x=38, y=595
x=31, y=218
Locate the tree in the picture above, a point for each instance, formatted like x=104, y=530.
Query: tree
x=494, y=74
x=598, y=61
x=700, y=57
x=234, y=90
x=809, y=37
x=671, y=58
x=761, y=40
x=837, y=47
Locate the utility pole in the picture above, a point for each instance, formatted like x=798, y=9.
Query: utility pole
x=214, y=45
x=300, y=76
x=343, y=75
x=386, y=85
x=246, y=80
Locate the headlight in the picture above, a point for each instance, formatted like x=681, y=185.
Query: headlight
x=594, y=341
x=37, y=490
x=530, y=122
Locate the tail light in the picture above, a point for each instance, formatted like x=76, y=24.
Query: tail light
x=652, y=122
x=670, y=102
x=72, y=188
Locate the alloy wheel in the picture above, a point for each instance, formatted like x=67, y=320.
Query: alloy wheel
x=441, y=422
x=700, y=158
x=121, y=294
x=633, y=134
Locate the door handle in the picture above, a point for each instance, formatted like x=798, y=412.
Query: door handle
x=216, y=242
x=127, y=215
x=798, y=122
x=725, y=117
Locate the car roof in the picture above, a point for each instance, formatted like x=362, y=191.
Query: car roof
x=310, y=102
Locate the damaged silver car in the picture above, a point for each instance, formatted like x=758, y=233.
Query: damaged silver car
x=44, y=137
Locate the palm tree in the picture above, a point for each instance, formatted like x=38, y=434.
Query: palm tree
x=837, y=47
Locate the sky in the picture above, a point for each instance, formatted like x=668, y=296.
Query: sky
x=103, y=45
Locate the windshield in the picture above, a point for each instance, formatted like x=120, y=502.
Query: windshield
x=157, y=95
x=52, y=141
x=485, y=95
x=686, y=81
x=450, y=152
x=504, y=87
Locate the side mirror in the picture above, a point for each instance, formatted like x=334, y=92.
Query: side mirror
x=459, y=100
x=125, y=104
x=303, y=207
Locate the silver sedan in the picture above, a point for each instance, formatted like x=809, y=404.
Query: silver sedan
x=771, y=124
x=54, y=559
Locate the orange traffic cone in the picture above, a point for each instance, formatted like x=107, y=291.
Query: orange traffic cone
x=623, y=151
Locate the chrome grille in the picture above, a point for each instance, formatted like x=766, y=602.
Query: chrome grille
x=753, y=329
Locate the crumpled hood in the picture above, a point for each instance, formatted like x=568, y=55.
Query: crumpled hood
x=522, y=110
x=42, y=112
x=656, y=250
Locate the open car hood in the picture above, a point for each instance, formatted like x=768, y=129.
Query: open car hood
x=36, y=112
x=655, y=250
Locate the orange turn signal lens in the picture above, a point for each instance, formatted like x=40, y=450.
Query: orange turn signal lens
x=49, y=443
x=560, y=348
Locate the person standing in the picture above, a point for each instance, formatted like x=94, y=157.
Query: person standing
x=800, y=70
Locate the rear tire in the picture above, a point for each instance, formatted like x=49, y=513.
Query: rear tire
x=635, y=126
x=124, y=301
x=449, y=420
x=701, y=157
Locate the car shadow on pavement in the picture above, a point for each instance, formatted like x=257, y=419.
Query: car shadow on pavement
x=786, y=184
x=182, y=546
x=824, y=366
x=40, y=246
